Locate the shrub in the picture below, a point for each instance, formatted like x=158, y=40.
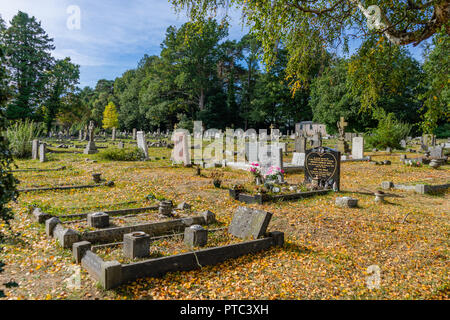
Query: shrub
x=388, y=133
x=125, y=154
x=443, y=131
x=20, y=135
x=8, y=182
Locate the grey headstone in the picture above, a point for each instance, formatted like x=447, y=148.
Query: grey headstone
x=300, y=144
x=436, y=152
x=35, y=149
x=42, y=152
x=347, y=202
x=249, y=223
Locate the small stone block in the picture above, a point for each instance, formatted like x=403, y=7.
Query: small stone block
x=346, y=202
x=209, y=216
x=79, y=249
x=421, y=188
x=50, y=225
x=98, y=220
x=184, y=206
x=136, y=245
x=387, y=185
x=195, y=236
x=111, y=276
x=40, y=216
x=66, y=237
x=278, y=238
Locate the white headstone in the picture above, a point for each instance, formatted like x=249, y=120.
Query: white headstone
x=180, y=152
x=298, y=159
x=270, y=156
x=358, y=148
x=142, y=143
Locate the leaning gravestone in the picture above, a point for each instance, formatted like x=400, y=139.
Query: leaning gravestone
x=142, y=143
x=358, y=148
x=323, y=165
x=249, y=223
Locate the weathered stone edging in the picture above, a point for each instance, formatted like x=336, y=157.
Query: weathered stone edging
x=112, y=274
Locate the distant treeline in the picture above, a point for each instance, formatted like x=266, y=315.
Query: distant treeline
x=199, y=75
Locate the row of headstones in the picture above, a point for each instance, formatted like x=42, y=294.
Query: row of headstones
x=300, y=145
x=38, y=151
x=83, y=134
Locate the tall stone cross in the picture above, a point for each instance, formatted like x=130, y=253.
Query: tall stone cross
x=341, y=127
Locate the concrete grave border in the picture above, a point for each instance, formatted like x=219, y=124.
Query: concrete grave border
x=67, y=237
x=260, y=199
x=112, y=274
x=418, y=188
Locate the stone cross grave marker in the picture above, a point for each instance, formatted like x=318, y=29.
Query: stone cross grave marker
x=341, y=127
x=342, y=145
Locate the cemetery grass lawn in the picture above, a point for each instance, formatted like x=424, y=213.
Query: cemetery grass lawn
x=327, y=248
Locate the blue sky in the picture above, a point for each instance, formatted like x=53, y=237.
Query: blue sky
x=114, y=34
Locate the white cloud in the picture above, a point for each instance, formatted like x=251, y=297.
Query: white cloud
x=113, y=33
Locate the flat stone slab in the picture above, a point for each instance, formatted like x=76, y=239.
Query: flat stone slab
x=249, y=223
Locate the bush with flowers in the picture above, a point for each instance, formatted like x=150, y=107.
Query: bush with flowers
x=274, y=174
x=413, y=163
x=255, y=169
